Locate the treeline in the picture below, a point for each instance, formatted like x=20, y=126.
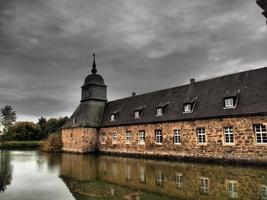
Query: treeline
x=28, y=131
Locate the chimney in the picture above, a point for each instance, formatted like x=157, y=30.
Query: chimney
x=133, y=94
x=192, y=81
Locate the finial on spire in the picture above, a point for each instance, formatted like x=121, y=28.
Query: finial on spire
x=94, y=66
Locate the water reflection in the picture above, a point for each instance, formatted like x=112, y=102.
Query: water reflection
x=5, y=170
x=124, y=176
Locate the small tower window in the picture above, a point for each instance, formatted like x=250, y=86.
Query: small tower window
x=230, y=99
x=161, y=108
x=74, y=121
x=114, y=115
x=138, y=112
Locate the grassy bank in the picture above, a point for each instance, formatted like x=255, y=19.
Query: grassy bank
x=20, y=145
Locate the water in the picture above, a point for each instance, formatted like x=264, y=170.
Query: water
x=31, y=175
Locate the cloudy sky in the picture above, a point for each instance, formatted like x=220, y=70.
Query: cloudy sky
x=46, y=47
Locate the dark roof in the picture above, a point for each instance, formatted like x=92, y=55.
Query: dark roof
x=95, y=79
x=251, y=87
x=263, y=5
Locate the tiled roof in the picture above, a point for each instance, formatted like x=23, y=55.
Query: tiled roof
x=251, y=87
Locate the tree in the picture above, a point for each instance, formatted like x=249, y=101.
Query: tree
x=8, y=118
x=23, y=131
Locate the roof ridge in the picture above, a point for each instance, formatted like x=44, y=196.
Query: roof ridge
x=204, y=80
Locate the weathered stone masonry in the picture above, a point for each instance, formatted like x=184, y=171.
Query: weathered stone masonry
x=244, y=147
x=200, y=112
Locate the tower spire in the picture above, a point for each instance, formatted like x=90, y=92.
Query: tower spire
x=94, y=66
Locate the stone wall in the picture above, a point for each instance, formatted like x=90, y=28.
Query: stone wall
x=244, y=147
x=79, y=140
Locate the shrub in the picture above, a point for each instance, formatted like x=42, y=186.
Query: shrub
x=52, y=144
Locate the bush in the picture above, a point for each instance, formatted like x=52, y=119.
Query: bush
x=52, y=144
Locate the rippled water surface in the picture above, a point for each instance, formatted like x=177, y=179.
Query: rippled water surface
x=30, y=175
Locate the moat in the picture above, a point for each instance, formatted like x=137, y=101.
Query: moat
x=31, y=175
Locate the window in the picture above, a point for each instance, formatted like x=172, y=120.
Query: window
x=137, y=114
x=142, y=137
x=201, y=136
x=114, y=138
x=103, y=138
x=160, y=179
x=142, y=176
x=261, y=135
x=264, y=192
x=158, y=137
x=178, y=180
x=176, y=137
x=204, y=185
x=232, y=189
x=128, y=137
x=187, y=107
x=74, y=121
x=228, y=135
x=112, y=117
x=159, y=111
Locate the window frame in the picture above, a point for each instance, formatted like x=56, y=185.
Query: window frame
x=176, y=136
x=232, y=189
x=262, y=132
x=103, y=138
x=128, y=137
x=201, y=134
x=228, y=133
x=264, y=192
x=178, y=180
x=158, y=137
x=186, y=110
x=229, y=102
x=142, y=141
x=137, y=114
x=114, y=138
x=204, y=189
x=112, y=117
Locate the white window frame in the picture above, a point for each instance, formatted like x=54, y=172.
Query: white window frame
x=178, y=180
x=229, y=102
x=159, y=111
x=264, y=192
x=232, y=189
x=188, y=108
x=204, y=185
x=142, y=175
x=260, y=134
x=201, y=136
x=128, y=137
x=176, y=136
x=229, y=135
x=112, y=117
x=158, y=136
x=114, y=138
x=137, y=114
x=142, y=137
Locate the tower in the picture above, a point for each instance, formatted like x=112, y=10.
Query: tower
x=79, y=133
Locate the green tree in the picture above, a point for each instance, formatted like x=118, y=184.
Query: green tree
x=23, y=131
x=8, y=118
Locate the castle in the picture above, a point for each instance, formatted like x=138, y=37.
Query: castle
x=222, y=118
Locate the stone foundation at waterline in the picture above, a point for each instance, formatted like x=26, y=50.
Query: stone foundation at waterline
x=79, y=140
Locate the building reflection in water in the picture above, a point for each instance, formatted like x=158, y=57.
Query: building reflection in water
x=5, y=170
x=116, y=177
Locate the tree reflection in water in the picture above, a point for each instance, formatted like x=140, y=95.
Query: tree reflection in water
x=5, y=170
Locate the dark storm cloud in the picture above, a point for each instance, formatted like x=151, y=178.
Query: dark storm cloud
x=141, y=45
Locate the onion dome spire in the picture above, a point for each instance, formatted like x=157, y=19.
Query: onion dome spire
x=94, y=66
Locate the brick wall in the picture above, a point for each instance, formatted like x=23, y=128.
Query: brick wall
x=244, y=146
x=79, y=140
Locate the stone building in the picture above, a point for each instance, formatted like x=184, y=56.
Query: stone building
x=221, y=118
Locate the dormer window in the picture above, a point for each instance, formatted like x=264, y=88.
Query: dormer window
x=161, y=108
x=229, y=102
x=138, y=112
x=189, y=105
x=230, y=99
x=159, y=111
x=114, y=115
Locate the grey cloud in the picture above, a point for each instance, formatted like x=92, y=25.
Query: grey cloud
x=141, y=45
